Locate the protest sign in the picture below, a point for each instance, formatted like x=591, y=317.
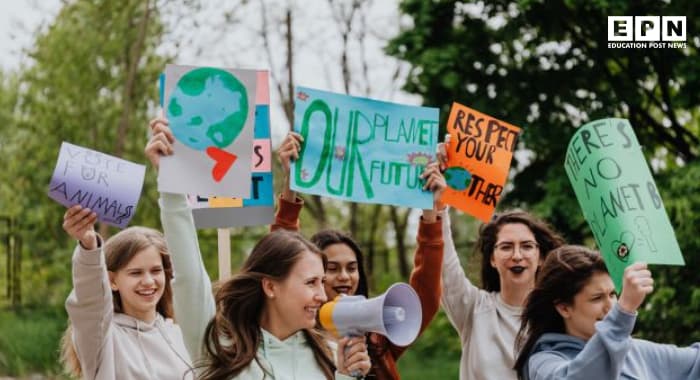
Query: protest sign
x=479, y=154
x=363, y=150
x=107, y=185
x=211, y=113
x=258, y=209
x=618, y=197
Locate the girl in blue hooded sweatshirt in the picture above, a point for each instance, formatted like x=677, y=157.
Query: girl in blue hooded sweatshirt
x=574, y=326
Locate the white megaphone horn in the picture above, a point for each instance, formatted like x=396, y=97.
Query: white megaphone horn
x=396, y=314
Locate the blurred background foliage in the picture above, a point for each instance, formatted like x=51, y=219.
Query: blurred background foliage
x=542, y=65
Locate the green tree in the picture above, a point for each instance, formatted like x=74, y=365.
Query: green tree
x=546, y=67
x=92, y=81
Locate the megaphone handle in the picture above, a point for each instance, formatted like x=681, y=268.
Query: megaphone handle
x=356, y=373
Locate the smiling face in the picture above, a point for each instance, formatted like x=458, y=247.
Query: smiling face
x=292, y=304
x=589, y=305
x=342, y=274
x=140, y=284
x=516, y=256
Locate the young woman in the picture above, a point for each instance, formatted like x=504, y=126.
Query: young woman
x=120, y=308
x=574, y=327
x=512, y=247
x=345, y=272
x=264, y=317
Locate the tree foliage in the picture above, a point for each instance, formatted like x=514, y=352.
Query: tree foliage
x=92, y=82
x=546, y=67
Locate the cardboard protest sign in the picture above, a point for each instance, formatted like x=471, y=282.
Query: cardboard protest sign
x=363, y=150
x=107, y=185
x=258, y=209
x=211, y=113
x=618, y=196
x=479, y=154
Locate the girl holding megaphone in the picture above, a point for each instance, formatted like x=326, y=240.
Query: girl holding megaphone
x=345, y=274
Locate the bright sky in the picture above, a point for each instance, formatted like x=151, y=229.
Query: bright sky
x=18, y=21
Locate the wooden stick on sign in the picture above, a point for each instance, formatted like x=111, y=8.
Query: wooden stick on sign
x=224, y=239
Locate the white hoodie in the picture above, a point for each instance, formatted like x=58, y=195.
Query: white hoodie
x=114, y=345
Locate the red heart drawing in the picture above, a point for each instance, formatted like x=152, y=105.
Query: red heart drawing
x=224, y=160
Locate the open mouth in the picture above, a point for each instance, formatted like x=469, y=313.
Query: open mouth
x=342, y=289
x=146, y=292
x=517, y=269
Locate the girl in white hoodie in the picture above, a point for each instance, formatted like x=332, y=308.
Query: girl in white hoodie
x=120, y=308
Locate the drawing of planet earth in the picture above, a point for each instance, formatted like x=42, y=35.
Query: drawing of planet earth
x=207, y=107
x=457, y=178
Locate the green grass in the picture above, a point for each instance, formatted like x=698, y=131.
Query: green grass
x=414, y=365
x=435, y=355
x=29, y=341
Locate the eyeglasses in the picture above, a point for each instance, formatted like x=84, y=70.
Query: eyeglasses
x=508, y=248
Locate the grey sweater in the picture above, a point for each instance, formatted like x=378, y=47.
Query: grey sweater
x=114, y=345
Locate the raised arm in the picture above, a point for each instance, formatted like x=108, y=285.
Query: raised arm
x=459, y=295
x=604, y=354
x=289, y=205
x=427, y=262
x=193, y=300
x=89, y=304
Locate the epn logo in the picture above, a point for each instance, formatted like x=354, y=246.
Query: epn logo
x=646, y=28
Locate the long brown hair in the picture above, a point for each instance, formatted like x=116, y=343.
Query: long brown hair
x=547, y=239
x=233, y=336
x=564, y=273
x=118, y=251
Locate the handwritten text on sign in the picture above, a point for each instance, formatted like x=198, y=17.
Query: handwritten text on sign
x=363, y=150
x=618, y=196
x=479, y=154
x=108, y=185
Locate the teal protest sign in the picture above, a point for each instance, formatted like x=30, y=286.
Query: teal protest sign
x=618, y=196
x=363, y=150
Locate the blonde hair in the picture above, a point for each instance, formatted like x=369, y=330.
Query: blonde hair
x=119, y=250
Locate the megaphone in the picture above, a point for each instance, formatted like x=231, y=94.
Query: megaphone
x=396, y=314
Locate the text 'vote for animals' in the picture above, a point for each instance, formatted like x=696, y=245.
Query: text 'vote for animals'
x=107, y=185
x=363, y=150
x=211, y=113
x=618, y=196
x=479, y=155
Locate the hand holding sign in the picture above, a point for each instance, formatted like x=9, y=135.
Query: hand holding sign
x=637, y=284
x=79, y=223
x=286, y=154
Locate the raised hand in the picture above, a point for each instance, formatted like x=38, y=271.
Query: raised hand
x=287, y=152
x=353, y=358
x=637, y=283
x=442, y=152
x=79, y=223
x=435, y=182
x=161, y=142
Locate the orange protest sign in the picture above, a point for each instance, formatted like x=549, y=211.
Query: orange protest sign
x=479, y=154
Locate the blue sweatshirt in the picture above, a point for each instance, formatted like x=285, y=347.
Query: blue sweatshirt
x=611, y=354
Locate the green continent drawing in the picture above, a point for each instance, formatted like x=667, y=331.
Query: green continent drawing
x=457, y=178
